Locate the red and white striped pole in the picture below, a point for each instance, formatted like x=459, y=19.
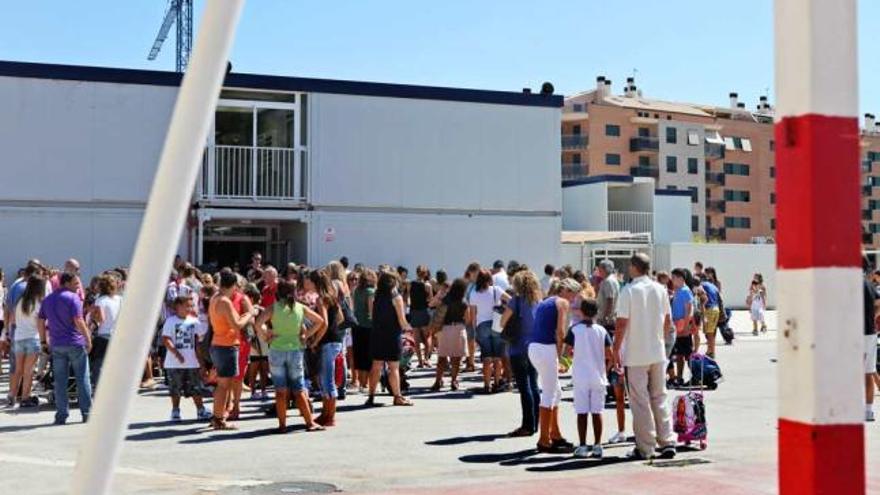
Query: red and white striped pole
x=821, y=378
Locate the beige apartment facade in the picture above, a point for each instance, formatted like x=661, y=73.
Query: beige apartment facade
x=723, y=155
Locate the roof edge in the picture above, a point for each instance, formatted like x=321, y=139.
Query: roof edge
x=278, y=83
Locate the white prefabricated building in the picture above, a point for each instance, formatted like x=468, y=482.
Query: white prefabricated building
x=303, y=170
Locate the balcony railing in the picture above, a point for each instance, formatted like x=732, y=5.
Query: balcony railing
x=715, y=178
x=714, y=151
x=717, y=205
x=716, y=233
x=635, y=222
x=572, y=171
x=255, y=173
x=575, y=141
x=644, y=143
x=645, y=171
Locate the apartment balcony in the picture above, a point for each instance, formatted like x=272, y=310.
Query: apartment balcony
x=714, y=151
x=645, y=171
x=866, y=190
x=716, y=205
x=251, y=173
x=867, y=238
x=644, y=143
x=867, y=214
x=715, y=178
x=635, y=222
x=716, y=233
x=573, y=171
x=867, y=165
x=575, y=141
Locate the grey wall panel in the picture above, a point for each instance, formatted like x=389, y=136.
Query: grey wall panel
x=369, y=151
x=441, y=241
x=81, y=141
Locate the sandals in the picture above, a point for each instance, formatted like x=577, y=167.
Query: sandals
x=520, y=432
x=454, y=385
x=402, y=401
x=436, y=387
x=552, y=449
x=314, y=427
x=219, y=424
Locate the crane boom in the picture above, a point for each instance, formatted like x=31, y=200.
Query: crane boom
x=170, y=17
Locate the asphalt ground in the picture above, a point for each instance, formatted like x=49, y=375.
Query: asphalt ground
x=449, y=442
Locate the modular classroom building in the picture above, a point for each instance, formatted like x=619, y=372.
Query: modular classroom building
x=303, y=170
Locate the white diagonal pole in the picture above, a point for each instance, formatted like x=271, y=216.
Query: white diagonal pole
x=157, y=242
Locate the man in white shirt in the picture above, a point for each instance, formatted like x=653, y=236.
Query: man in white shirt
x=643, y=317
x=499, y=276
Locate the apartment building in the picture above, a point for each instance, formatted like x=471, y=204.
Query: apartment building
x=723, y=155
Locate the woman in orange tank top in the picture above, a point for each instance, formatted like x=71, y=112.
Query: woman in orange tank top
x=227, y=324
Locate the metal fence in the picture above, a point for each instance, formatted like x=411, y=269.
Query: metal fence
x=248, y=172
x=636, y=222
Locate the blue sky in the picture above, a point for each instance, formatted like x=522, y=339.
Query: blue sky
x=686, y=50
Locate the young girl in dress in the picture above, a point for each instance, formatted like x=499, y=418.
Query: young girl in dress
x=757, y=301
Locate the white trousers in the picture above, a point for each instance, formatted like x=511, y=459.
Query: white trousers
x=546, y=362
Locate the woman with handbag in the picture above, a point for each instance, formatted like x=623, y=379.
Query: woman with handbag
x=448, y=331
x=518, y=320
x=484, y=303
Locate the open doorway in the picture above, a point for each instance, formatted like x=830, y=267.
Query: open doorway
x=227, y=243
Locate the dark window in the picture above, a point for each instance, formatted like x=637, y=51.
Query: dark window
x=738, y=143
x=738, y=222
x=644, y=132
x=671, y=135
x=695, y=223
x=576, y=130
x=772, y=145
x=772, y=172
x=612, y=130
x=669, y=117
x=578, y=107
x=772, y=198
x=736, y=168
x=612, y=159
x=576, y=158
x=874, y=156
x=874, y=228
x=671, y=164
x=730, y=195
x=656, y=115
x=695, y=194
x=644, y=161
x=693, y=166
x=773, y=223
x=874, y=204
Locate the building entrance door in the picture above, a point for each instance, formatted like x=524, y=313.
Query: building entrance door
x=228, y=245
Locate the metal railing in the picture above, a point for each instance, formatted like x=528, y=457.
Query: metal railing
x=715, y=178
x=636, y=222
x=575, y=141
x=644, y=143
x=249, y=172
x=575, y=171
x=717, y=205
x=645, y=171
x=714, y=151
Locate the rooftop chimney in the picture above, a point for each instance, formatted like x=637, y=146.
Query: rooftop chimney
x=740, y=105
x=870, y=123
x=734, y=99
x=600, y=85
x=629, y=90
x=527, y=91
x=607, y=91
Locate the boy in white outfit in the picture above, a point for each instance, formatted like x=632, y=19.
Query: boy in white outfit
x=592, y=352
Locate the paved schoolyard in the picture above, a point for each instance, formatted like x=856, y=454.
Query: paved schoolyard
x=447, y=443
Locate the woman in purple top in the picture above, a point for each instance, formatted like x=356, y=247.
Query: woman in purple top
x=527, y=290
x=545, y=347
x=70, y=341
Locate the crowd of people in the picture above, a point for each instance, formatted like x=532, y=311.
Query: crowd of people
x=320, y=334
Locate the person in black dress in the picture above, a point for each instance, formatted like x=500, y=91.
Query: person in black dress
x=389, y=322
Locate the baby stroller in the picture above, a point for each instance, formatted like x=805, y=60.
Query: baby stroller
x=47, y=382
x=408, y=350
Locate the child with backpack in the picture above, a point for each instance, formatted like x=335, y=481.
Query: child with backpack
x=592, y=353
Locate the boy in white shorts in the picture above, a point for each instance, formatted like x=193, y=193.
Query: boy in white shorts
x=592, y=350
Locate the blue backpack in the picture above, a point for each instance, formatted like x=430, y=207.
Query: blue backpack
x=705, y=371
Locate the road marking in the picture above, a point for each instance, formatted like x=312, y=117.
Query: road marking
x=203, y=482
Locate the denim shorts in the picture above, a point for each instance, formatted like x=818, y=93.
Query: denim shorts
x=225, y=360
x=25, y=347
x=287, y=369
x=491, y=343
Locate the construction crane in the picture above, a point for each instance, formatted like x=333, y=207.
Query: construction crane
x=180, y=11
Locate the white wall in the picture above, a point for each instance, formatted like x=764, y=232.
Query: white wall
x=81, y=141
x=638, y=196
x=735, y=264
x=585, y=207
x=672, y=219
x=440, y=241
x=393, y=152
x=98, y=238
